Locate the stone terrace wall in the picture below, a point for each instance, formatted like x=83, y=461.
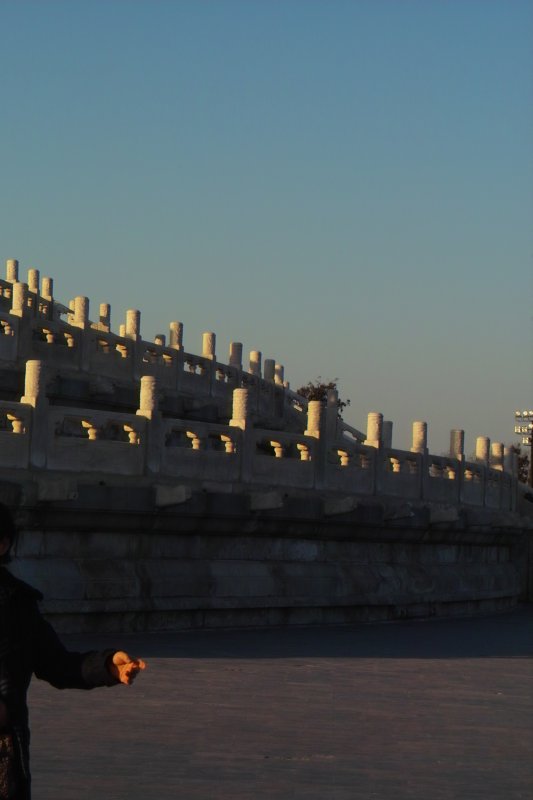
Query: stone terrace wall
x=110, y=559
x=158, y=488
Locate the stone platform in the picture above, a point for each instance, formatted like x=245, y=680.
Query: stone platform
x=410, y=711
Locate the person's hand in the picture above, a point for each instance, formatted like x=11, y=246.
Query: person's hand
x=125, y=668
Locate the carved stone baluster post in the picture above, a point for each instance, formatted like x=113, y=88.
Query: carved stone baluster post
x=105, y=317
x=314, y=418
x=209, y=341
x=175, y=338
x=332, y=418
x=12, y=270
x=511, y=467
x=23, y=325
x=33, y=290
x=149, y=408
x=19, y=296
x=483, y=458
x=255, y=388
x=241, y=418
x=196, y=441
x=420, y=437
x=34, y=280
x=80, y=316
x=47, y=293
x=374, y=429
x=235, y=361
x=255, y=363
x=496, y=463
x=457, y=451
x=80, y=319
x=35, y=396
x=457, y=444
x=229, y=444
x=235, y=354
x=47, y=290
x=12, y=276
x=420, y=446
x=483, y=450
x=497, y=451
x=269, y=370
x=510, y=459
x=374, y=438
x=278, y=448
x=303, y=449
x=241, y=410
x=316, y=427
x=133, y=332
x=133, y=323
x=344, y=457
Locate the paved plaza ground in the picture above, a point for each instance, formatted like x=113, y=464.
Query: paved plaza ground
x=405, y=711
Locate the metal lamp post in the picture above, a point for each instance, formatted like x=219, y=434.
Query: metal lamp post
x=524, y=426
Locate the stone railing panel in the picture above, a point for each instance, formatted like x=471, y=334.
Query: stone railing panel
x=473, y=485
x=201, y=451
x=227, y=378
x=295, y=402
x=165, y=363
x=56, y=342
x=351, y=468
x=283, y=459
x=493, y=489
x=111, y=356
x=442, y=479
x=6, y=293
x=399, y=473
x=195, y=377
x=95, y=441
x=350, y=434
x=266, y=399
x=15, y=432
x=507, y=494
x=9, y=329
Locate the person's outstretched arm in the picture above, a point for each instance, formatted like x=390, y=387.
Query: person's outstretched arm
x=70, y=670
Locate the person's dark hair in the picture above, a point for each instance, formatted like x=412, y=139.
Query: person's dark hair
x=7, y=528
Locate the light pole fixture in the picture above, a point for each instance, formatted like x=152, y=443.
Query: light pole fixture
x=524, y=426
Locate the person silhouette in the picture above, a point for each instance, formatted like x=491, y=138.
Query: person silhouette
x=30, y=646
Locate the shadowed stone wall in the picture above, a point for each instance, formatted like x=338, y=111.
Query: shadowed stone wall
x=213, y=561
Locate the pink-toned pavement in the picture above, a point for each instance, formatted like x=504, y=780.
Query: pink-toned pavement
x=406, y=711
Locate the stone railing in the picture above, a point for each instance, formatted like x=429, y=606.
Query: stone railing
x=34, y=326
x=15, y=434
x=274, y=438
x=35, y=435
x=89, y=441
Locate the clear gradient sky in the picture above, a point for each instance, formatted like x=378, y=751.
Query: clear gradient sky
x=346, y=185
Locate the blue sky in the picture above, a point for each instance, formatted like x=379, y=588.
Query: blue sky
x=346, y=186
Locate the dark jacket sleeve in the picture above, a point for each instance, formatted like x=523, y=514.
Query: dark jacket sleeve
x=53, y=663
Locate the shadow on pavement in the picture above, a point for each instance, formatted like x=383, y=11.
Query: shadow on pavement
x=508, y=635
